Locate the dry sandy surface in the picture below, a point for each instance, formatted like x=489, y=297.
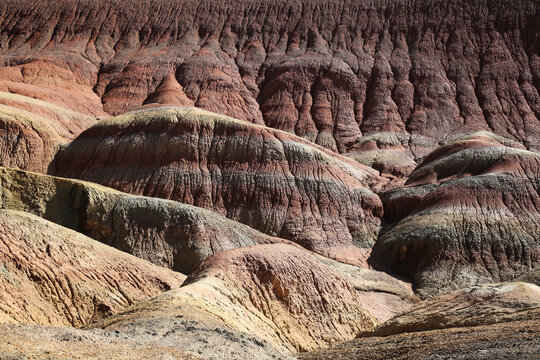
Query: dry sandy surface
x=517, y=340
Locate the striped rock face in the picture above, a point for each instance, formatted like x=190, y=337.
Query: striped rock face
x=26, y=142
x=59, y=80
x=329, y=71
x=270, y=180
x=67, y=123
x=164, y=232
x=391, y=153
x=276, y=292
x=468, y=214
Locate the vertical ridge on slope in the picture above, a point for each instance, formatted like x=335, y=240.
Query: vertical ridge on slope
x=329, y=71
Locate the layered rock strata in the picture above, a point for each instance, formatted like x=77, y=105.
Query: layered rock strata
x=31, y=131
x=478, y=305
x=164, y=232
x=468, y=214
x=277, y=292
x=270, y=180
x=330, y=71
x=26, y=140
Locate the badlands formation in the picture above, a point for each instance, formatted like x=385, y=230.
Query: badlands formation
x=289, y=179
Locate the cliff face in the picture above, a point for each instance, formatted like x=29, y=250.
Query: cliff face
x=399, y=134
x=329, y=71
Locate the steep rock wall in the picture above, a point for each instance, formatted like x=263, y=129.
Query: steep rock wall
x=329, y=71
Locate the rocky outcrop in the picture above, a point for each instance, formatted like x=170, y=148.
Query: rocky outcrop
x=270, y=180
x=164, y=232
x=169, y=92
x=26, y=140
x=389, y=153
x=478, y=305
x=51, y=275
x=329, y=71
x=532, y=277
x=481, y=322
x=67, y=123
x=276, y=292
x=60, y=79
x=468, y=214
x=514, y=340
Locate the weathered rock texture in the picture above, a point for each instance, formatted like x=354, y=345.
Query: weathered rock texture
x=26, y=140
x=277, y=292
x=478, y=305
x=164, y=232
x=516, y=340
x=532, y=277
x=389, y=153
x=57, y=80
x=468, y=214
x=329, y=71
x=381, y=295
x=50, y=275
x=67, y=123
x=268, y=179
x=31, y=131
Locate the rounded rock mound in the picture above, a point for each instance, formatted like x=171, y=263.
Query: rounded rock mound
x=164, y=232
x=271, y=180
x=469, y=214
x=51, y=275
x=478, y=305
x=32, y=130
x=276, y=292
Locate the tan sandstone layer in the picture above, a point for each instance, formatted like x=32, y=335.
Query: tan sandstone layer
x=51, y=275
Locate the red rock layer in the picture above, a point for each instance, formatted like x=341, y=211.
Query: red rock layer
x=270, y=180
x=68, y=124
x=31, y=131
x=55, y=80
x=329, y=71
x=469, y=215
x=26, y=140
